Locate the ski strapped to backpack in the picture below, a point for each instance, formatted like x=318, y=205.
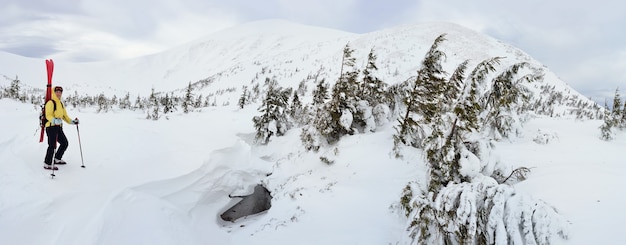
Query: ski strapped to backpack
x=42, y=116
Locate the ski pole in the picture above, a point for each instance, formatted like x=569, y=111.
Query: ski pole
x=81, y=147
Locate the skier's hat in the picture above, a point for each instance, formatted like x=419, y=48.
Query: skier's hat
x=58, y=89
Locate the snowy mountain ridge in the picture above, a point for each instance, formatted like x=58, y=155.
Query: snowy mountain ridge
x=288, y=52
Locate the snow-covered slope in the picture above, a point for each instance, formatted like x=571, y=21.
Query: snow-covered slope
x=290, y=53
x=167, y=181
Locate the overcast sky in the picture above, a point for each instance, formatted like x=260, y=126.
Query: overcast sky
x=581, y=41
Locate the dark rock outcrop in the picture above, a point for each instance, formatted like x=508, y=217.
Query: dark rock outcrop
x=259, y=201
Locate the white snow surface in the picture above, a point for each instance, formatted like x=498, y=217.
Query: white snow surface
x=167, y=181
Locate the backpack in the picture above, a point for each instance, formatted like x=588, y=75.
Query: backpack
x=42, y=116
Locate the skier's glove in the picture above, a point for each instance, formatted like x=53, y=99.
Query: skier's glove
x=57, y=121
x=75, y=121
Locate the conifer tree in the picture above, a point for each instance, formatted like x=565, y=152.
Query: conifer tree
x=451, y=209
x=113, y=101
x=606, y=130
x=154, y=105
x=347, y=60
x=302, y=88
x=422, y=99
x=14, y=90
x=296, y=111
x=468, y=109
x=341, y=106
x=617, y=111
x=188, y=102
x=138, y=103
x=506, y=99
x=373, y=89
x=198, y=102
x=168, y=104
x=243, y=99
x=273, y=119
x=103, y=103
x=622, y=123
x=320, y=93
x=125, y=102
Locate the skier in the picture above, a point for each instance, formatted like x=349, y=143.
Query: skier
x=56, y=114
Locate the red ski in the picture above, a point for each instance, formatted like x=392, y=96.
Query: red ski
x=50, y=69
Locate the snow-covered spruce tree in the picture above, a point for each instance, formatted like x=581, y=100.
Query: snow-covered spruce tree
x=125, y=102
x=297, y=112
x=198, y=101
x=373, y=89
x=113, y=101
x=310, y=136
x=154, y=105
x=622, y=121
x=617, y=111
x=103, y=103
x=14, y=90
x=373, y=107
x=168, y=104
x=273, y=120
x=422, y=99
x=461, y=205
x=243, y=99
x=138, y=103
x=606, y=130
x=342, y=101
x=188, y=100
x=302, y=88
x=320, y=93
x=505, y=101
x=481, y=212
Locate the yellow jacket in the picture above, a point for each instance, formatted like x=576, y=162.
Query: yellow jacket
x=60, y=112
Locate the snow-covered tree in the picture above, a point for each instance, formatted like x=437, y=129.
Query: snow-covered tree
x=244, y=98
x=188, y=102
x=302, y=88
x=622, y=122
x=154, y=105
x=606, y=130
x=320, y=93
x=617, y=112
x=505, y=100
x=103, y=103
x=125, y=102
x=297, y=111
x=373, y=89
x=168, y=104
x=422, y=99
x=482, y=212
x=311, y=138
x=273, y=120
x=445, y=117
x=14, y=89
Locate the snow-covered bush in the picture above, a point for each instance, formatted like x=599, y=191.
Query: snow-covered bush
x=381, y=114
x=544, y=138
x=480, y=212
x=311, y=138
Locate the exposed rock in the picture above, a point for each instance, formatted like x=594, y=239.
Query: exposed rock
x=259, y=201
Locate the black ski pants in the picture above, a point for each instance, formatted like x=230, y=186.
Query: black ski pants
x=55, y=134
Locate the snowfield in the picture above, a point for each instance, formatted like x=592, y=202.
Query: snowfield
x=167, y=181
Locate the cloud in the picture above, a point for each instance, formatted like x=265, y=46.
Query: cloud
x=578, y=40
x=88, y=30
